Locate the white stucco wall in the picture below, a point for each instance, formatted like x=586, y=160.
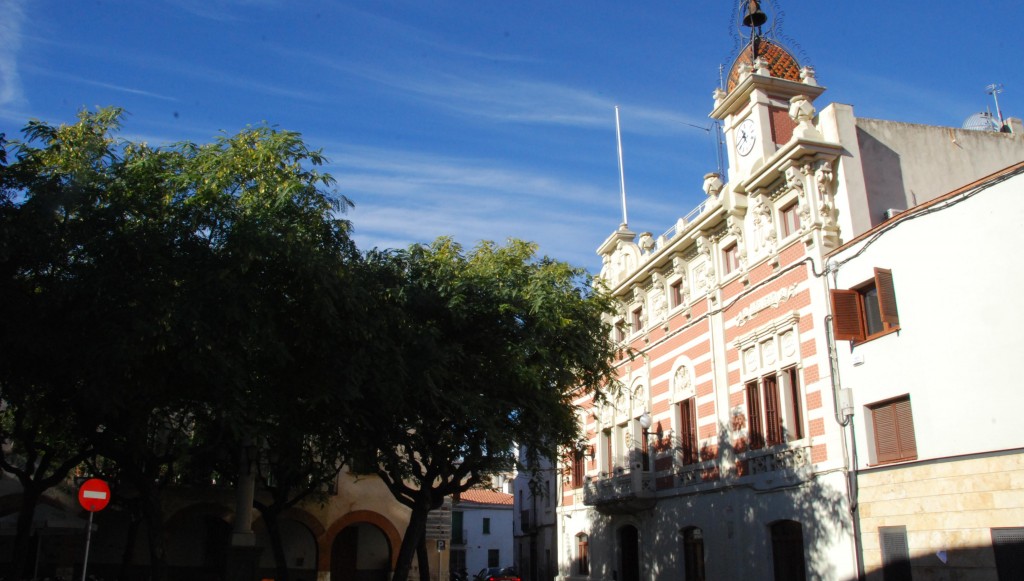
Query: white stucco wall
x=478, y=543
x=957, y=279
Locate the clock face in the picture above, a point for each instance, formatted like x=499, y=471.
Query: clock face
x=745, y=137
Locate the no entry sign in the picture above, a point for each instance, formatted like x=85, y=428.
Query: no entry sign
x=93, y=495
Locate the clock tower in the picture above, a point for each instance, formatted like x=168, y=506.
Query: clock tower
x=755, y=104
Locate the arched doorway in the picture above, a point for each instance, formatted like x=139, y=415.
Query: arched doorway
x=361, y=552
x=788, y=551
x=629, y=553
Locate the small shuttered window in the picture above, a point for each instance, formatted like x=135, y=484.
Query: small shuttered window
x=1008, y=544
x=895, y=553
x=893, y=424
x=867, y=311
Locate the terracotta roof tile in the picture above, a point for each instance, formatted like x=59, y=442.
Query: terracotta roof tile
x=780, y=63
x=485, y=497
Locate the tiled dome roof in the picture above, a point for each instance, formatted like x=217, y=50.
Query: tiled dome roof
x=780, y=63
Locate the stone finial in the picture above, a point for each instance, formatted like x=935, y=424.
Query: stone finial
x=646, y=242
x=713, y=184
x=719, y=95
x=807, y=76
x=761, y=67
x=800, y=109
x=744, y=70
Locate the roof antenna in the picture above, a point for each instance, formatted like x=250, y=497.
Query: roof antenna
x=622, y=172
x=994, y=89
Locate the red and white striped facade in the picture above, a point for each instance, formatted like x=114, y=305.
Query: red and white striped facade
x=724, y=321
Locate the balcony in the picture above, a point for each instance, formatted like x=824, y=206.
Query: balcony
x=622, y=492
x=791, y=463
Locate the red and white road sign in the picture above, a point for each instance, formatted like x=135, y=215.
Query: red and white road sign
x=93, y=495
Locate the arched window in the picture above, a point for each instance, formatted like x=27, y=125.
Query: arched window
x=788, y=551
x=693, y=553
x=582, y=554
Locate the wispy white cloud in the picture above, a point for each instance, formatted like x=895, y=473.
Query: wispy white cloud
x=95, y=83
x=506, y=99
x=223, y=10
x=406, y=197
x=13, y=12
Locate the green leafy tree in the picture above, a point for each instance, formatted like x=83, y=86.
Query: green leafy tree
x=486, y=349
x=164, y=302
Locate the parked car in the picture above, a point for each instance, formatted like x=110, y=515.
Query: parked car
x=497, y=574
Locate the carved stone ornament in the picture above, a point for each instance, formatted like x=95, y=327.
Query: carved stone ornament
x=750, y=360
x=787, y=341
x=763, y=224
x=679, y=267
x=802, y=111
x=761, y=67
x=683, y=383
x=718, y=95
x=823, y=179
x=768, y=352
x=713, y=184
x=807, y=76
x=744, y=69
x=659, y=299
x=735, y=229
x=646, y=242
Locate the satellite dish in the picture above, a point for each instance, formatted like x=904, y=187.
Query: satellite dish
x=983, y=121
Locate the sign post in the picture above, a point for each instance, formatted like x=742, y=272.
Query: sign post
x=93, y=495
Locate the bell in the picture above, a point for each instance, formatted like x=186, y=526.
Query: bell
x=754, y=17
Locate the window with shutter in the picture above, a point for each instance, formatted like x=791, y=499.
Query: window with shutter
x=582, y=554
x=755, y=429
x=772, y=411
x=688, y=431
x=867, y=311
x=1008, y=545
x=895, y=553
x=893, y=429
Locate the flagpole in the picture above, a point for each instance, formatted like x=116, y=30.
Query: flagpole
x=622, y=172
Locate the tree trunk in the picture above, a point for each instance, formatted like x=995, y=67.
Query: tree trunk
x=276, y=544
x=423, y=560
x=155, y=530
x=29, y=500
x=413, y=534
x=131, y=538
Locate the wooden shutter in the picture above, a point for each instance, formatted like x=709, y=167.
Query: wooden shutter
x=894, y=431
x=887, y=447
x=886, y=297
x=772, y=411
x=895, y=553
x=755, y=430
x=847, y=316
x=905, y=429
x=688, y=431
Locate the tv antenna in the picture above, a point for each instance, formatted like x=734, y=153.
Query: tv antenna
x=718, y=139
x=994, y=89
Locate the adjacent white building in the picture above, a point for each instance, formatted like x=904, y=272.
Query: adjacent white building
x=481, y=531
x=928, y=333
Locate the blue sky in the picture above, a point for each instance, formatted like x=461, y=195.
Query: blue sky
x=487, y=119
